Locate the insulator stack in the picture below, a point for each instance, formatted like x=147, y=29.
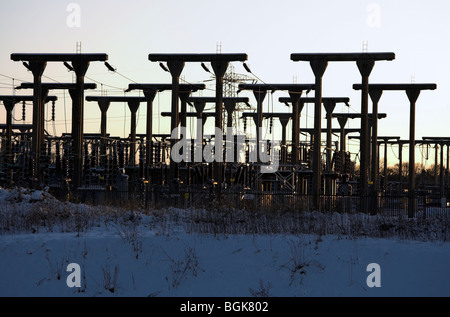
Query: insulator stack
x=53, y=111
x=23, y=110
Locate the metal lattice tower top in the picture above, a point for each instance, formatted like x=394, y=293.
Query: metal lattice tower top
x=232, y=79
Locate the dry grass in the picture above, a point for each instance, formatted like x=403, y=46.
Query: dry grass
x=343, y=225
x=49, y=214
x=263, y=290
x=109, y=278
x=183, y=268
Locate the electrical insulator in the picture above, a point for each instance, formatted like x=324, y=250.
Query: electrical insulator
x=270, y=125
x=337, y=162
x=348, y=164
x=245, y=124
x=23, y=110
x=53, y=111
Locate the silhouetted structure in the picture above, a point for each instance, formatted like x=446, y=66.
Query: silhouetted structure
x=310, y=174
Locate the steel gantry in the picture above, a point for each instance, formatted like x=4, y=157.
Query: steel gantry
x=42, y=158
x=440, y=141
x=318, y=63
x=342, y=119
x=9, y=101
x=412, y=92
x=219, y=63
x=77, y=120
x=36, y=63
x=150, y=91
x=295, y=93
x=133, y=104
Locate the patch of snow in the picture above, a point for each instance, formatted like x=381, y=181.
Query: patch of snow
x=151, y=253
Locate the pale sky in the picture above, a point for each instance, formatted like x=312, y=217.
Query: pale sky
x=267, y=31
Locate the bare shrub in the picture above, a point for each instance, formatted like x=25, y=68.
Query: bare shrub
x=182, y=269
x=56, y=267
x=298, y=262
x=297, y=256
x=129, y=232
x=263, y=290
x=109, y=280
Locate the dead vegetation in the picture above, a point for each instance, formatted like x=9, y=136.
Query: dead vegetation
x=20, y=213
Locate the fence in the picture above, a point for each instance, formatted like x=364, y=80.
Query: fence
x=254, y=200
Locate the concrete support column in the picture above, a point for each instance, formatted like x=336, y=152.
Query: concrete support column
x=175, y=68
x=133, y=106
x=150, y=95
x=365, y=68
x=318, y=68
x=37, y=68
x=412, y=94
x=104, y=106
x=80, y=67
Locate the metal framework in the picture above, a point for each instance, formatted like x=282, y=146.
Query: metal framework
x=99, y=163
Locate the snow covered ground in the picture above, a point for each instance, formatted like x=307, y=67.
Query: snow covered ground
x=189, y=253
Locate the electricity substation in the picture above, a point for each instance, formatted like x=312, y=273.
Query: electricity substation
x=306, y=168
